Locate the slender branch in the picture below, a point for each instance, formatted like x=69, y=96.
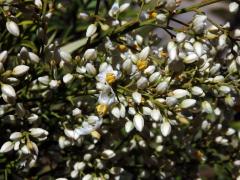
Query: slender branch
x=197, y=6
x=97, y=7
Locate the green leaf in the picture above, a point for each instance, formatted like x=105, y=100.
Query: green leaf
x=73, y=46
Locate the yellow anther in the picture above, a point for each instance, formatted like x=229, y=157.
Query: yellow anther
x=152, y=14
x=122, y=48
x=142, y=65
x=102, y=109
x=110, y=78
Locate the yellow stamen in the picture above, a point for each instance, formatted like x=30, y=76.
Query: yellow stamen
x=122, y=48
x=110, y=78
x=102, y=109
x=142, y=65
x=163, y=54
x=152, y=14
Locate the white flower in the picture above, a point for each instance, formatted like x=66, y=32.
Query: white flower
x=191, y=58
x=6, y=147
x=91, y=30
x=20, y=70
x=12, y=28
x=197, y=91
x=124, y=7
x=161, y=18
x=92, y=123
x=138, y=122
x=38, y=3
x=233, y=7
x=206, y=107
x=108, y=75
x=137, y=97
x=172, y=50
x=53, y=84
x=198, y=47
x=162, y=87
x=165, y=128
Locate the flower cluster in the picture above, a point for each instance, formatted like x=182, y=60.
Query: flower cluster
x=118, y=103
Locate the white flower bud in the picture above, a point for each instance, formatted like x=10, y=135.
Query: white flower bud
x=44, y=80
x=38, y=3
x=108, y=154
x=8, y=90
x=156, y=115
x=6, y=147
x=197, y=91
x=171, y=101
x=65, y=56
x=114, y=10
x=162, y=87
x=180, y=93
x=165, y=128
x=162, y=18
x=206, y=107
x=233, y=7
x=91, y=30
x=90, y=54
x=16, y=146
x=68, y=78
x=53, y=84
x=144, y=53
x=12, y=28
x=3, y=56
x=74, y=174
x=218, y=79
x=127, y=66
x=205, y=125
x=236, y=33
x=33, y=57
x=115, y=112
x=187, y=103
x=91, y=69
x=131, y=111
x=172, y=50
x=87, y=177
x=38, y=132
x=79, y=166
x=129, y=126
x=147, y=111
x=232, y=68
x=154, y=77
x=180, y=37
x=224, y=89
x=15, y=136
x=139, y=39
x=138, y=122
x=198, y=47
x=191, y=58
x=124, y=7
x=199, y=23
x=137, y=97
x=142, y=83
x=20, y=70
x=230, y=132
x=149, y=70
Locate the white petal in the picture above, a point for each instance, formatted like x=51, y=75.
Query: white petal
x=144, y=53
x=129, y=126
x=91, y=30
x=12, y=28
x=165, y=128
x=137, y=97
x=187, y=103
x=8, y=90
x=20, y=70
x=138, y=122
x=6, y=147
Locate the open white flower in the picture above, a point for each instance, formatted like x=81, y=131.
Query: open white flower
x=108, y=75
